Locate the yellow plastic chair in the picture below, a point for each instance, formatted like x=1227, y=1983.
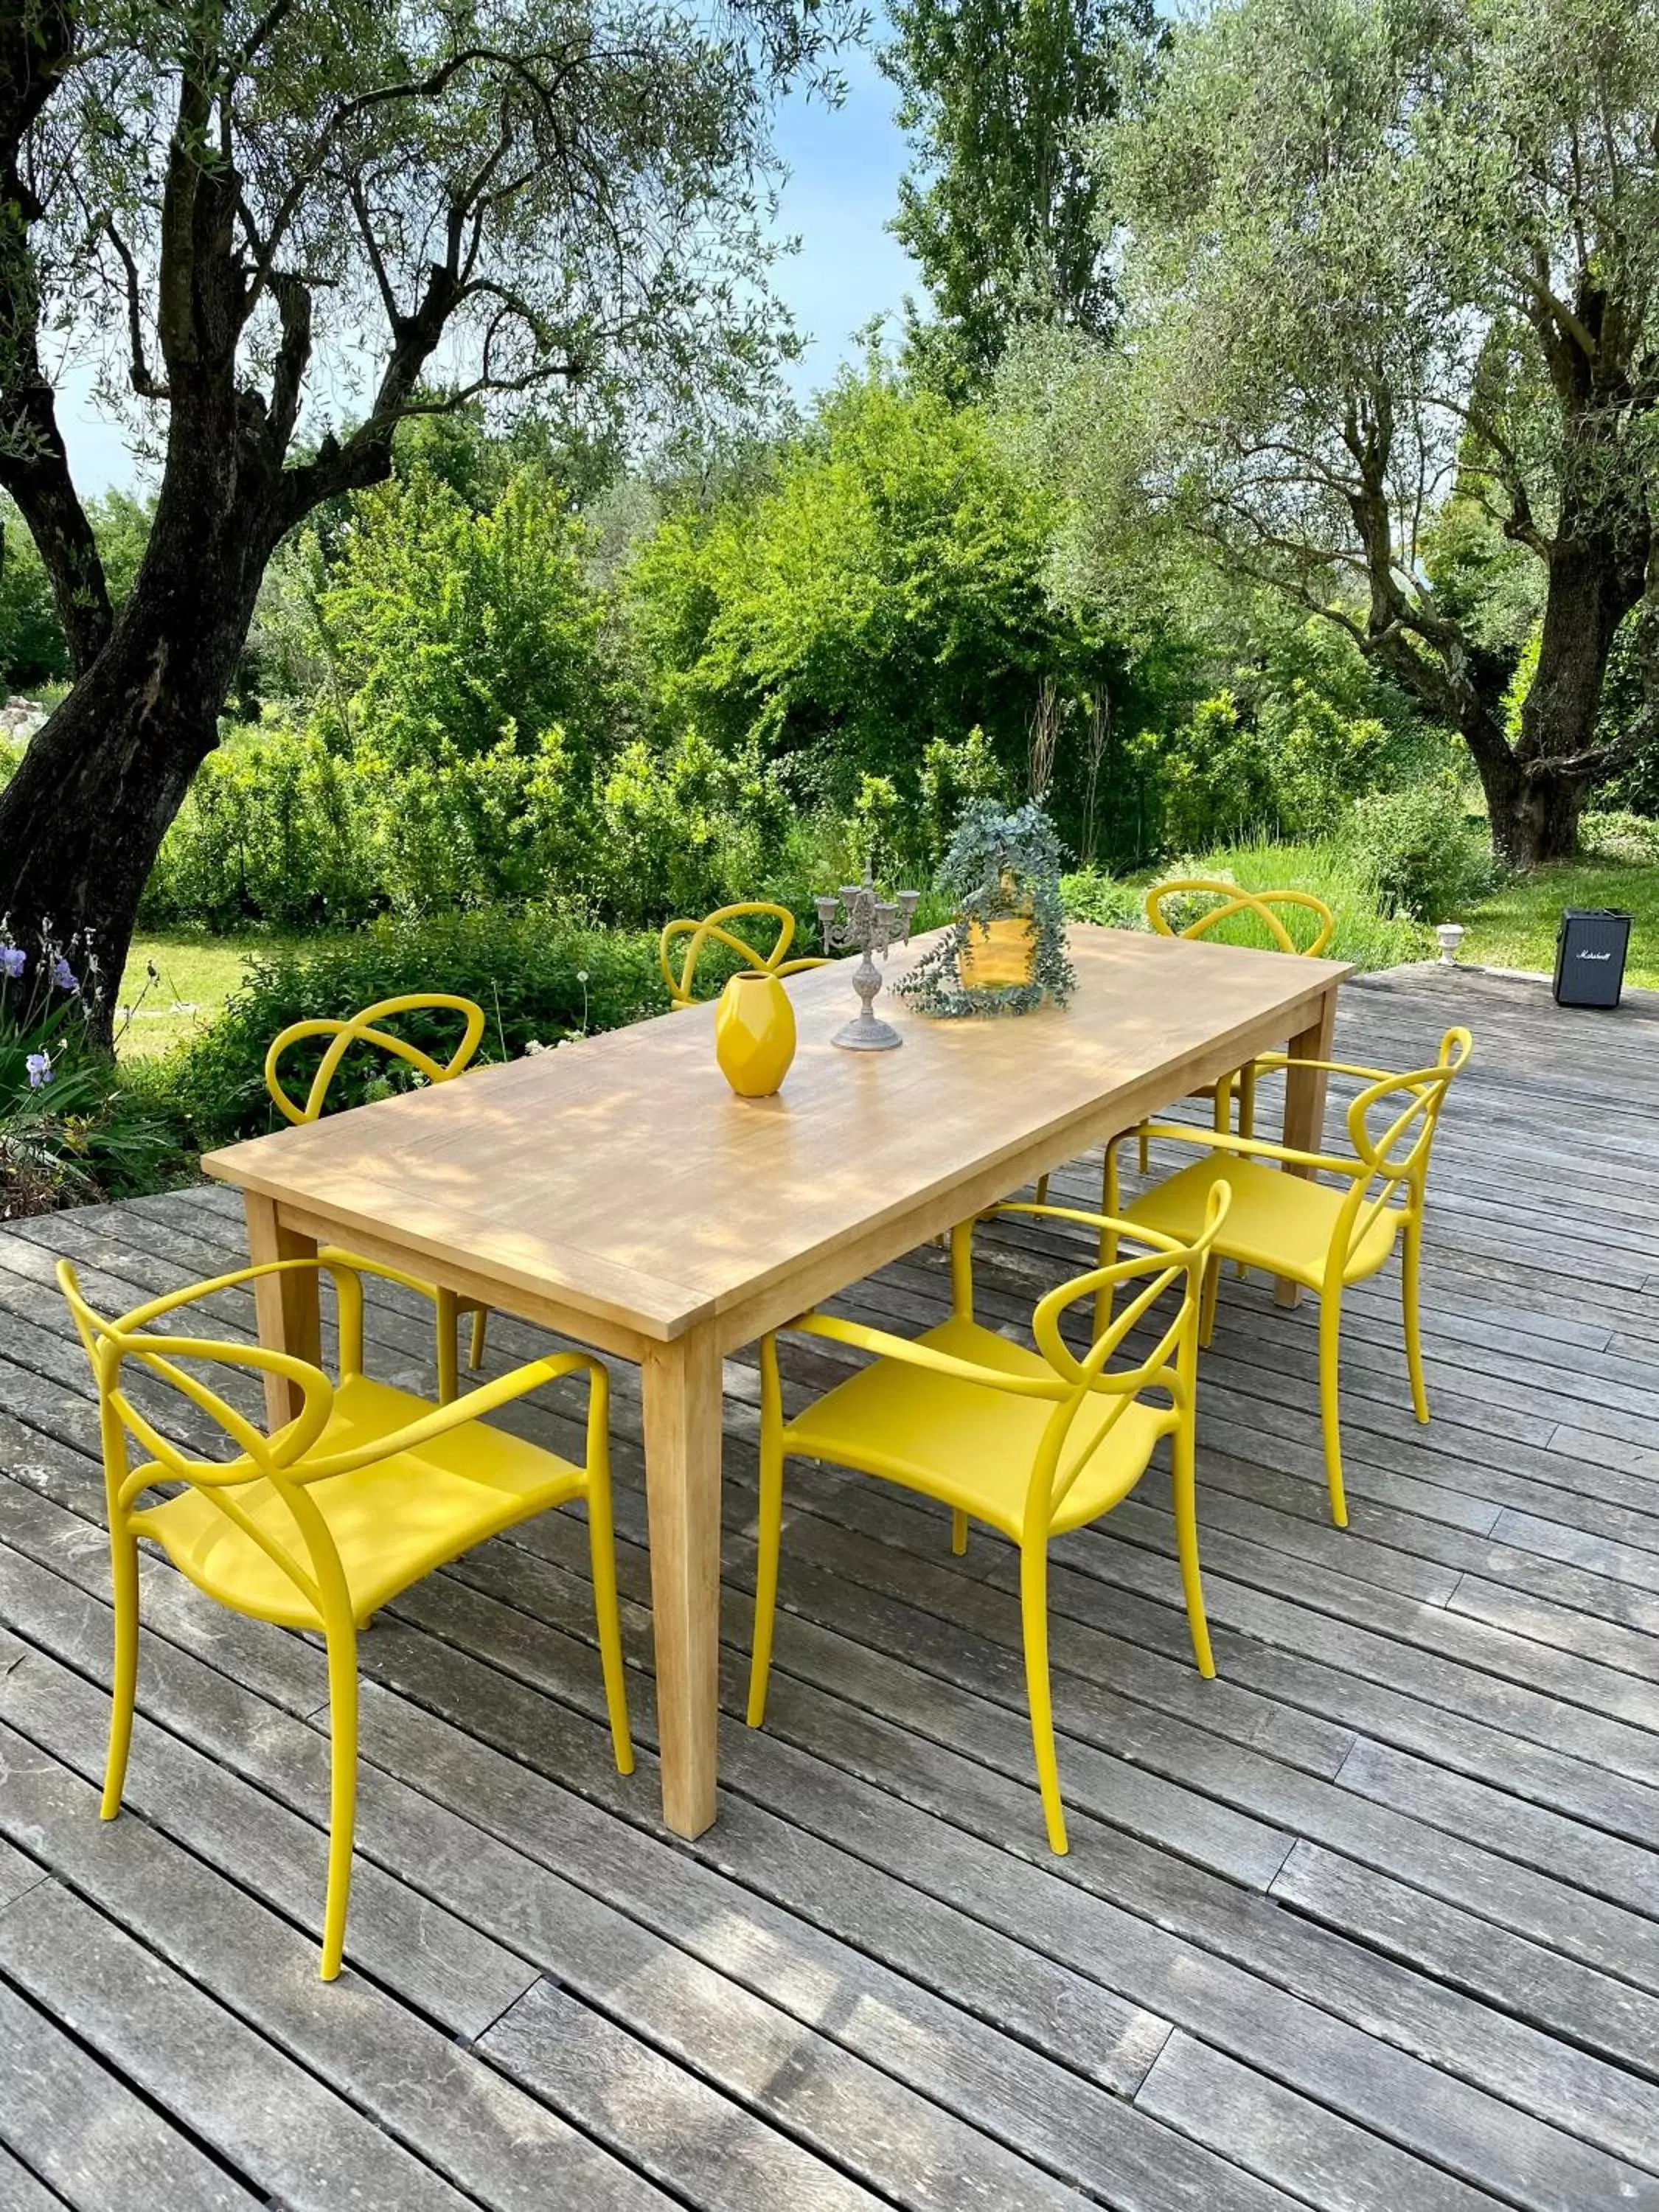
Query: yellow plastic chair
x=317, y=1526
x=1320, y=1237
x=1230, y=902
x=1033, y=1442
x=363, y=1028
x=1263, y=907
x=715, y=929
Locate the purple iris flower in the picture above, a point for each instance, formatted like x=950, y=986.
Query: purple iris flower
x=63, y=976
x=39, y=1064
x=13, y=961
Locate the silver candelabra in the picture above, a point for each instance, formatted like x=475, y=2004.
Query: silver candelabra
x=870, y=926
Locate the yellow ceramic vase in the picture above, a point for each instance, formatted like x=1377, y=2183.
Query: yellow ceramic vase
x=1000, y=960
x=754, y=1034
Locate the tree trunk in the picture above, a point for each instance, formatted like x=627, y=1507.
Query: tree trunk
x=1597, y=574
x=1535, y=789
x=1533, y=811
x=83, y=819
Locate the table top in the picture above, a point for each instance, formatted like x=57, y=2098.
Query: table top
x=621, y=1176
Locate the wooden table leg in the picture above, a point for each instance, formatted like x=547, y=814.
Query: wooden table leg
x=1305, y=1104
x=285, y=1306
x=682, y=1393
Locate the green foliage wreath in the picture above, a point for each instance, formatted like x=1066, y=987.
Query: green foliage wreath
x=998, y=866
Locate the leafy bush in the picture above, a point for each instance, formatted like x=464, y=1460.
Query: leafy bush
x=1282, y=766
x=683, y=830
x=1426, y=855
x=279, y=828
x=34, y=653
x=1620, y=836
x=271, y=831
x=883, y=588
x=447, y=632
x=1092, y=894
x=538, y=979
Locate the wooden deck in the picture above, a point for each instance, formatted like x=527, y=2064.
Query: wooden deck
x=1368, y=1924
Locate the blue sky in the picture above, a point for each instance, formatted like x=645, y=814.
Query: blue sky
x=844, y=168
x=842, y=190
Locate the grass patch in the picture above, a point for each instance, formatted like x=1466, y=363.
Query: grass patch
x=1516, y=927
x=196, y=973
x=1329, y=871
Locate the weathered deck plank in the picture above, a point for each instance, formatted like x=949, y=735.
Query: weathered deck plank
x=1371, y=1922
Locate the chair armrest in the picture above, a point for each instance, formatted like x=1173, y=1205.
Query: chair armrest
x=516, y=1383
x=142, y=1316
x=335, y=1255
x=904, y=1348
x=1131, y=1231
x=1221, y=1140
x=1277, y=1059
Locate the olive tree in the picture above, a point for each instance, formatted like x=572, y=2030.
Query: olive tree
x=283, y=228
x=1373, y=250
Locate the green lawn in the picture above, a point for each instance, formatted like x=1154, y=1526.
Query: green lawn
x=195, y=975
x=1515, y=926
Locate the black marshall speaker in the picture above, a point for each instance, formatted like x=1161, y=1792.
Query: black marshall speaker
x=1589, y=956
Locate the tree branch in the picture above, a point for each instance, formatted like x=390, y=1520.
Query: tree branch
x=144, y=383
x=37, y=47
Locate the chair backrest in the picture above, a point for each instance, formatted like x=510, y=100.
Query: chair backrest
x=364, y=1029
x=1166, y=1266
x=1391, y=1125
x=1230, y=902
x=715, y=929
x=114, y=1348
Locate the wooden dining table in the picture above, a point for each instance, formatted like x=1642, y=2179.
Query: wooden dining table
x=617, y=1191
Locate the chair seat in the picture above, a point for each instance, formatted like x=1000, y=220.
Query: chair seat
x=391, y=1522
x=968, y=1444
x=1281, y=1223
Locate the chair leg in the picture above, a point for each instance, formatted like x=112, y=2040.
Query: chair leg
x=480, y=1327
x=123, y=1678
x=769, y=1528
x=1145, y=1155
x=1330, y=1328
x=1042, y=1190
x=1212, y=1299
x=1034, y=1615
x=449, y=1322
x=959, y=1531
x=1185, y=1485
x=1411, y=1263
x=1246, y=1127
x=1106, y=1252
x=343, y=1793
x=602, y=1552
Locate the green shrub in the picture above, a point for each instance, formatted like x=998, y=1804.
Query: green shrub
x=1427, y=858
x=271, y=830
x=538, y=979
x=683, y=830
x=1092, y=894
x=446, y=631
x=1620, y=836
x=278, y=827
